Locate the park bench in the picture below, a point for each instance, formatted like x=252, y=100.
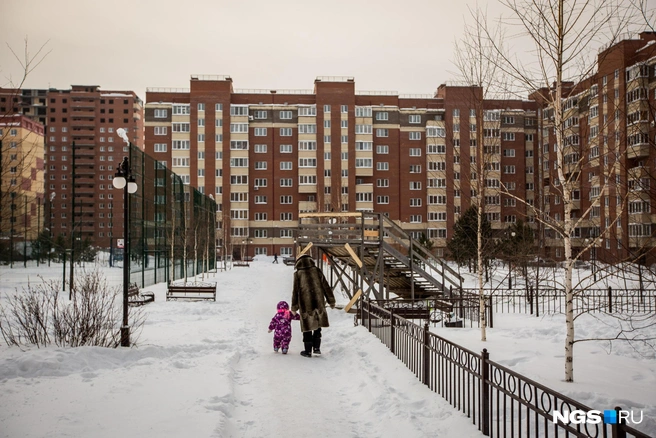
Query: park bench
x=245, y=262
x=136, y=298
x=191, y=292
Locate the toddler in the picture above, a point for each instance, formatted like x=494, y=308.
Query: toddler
x=282, y=324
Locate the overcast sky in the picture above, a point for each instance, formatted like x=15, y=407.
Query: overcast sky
x=405, y=46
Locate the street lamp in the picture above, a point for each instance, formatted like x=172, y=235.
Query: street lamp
x=126, y=181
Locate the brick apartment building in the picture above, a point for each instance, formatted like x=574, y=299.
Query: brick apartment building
x=610, y=140
x=267, y=155
x=21, y=194
x=85, y=117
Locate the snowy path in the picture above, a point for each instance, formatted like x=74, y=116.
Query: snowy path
x=205, y=369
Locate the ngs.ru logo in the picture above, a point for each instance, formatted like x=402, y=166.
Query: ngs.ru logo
x=609, y=416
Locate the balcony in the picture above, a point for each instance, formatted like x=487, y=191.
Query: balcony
x=640, y=150
x=307, y=188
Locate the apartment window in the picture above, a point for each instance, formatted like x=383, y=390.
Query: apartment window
x=160, y=147
x=260, y=148
x=382, y=200
x=380, y=132
x=285, y=132
x=382, y=182
x=344, y=109
x=382, y=165
x=382, y=115
x=260, y=132
x=239, y=162
x=260, y=182
x=363, y=145
x=239, y=180
x=415, y=202
x=414, y=135
x=238, y=110
x=381, y=149
x=305, y=180
x=414, y=118
x=326, y=123
x=287, y=199
x=343, y=124
x=285, y=115
x=236, y=128
x=307, y=111
x=260, y=114
x=239, y=145
x=201, y=172
x=415, y=168
x=307, y=128
x=436, y=149
x=181, y=145
x=286, y=216
x=201, y=122
x=201, y=138
x=363, y=129
x=363, y=163
x=286, y=165
x=160, y=130
x=285, y=149
x=218, y=107
x=415, y=185
x=326, y=108
x=344, y=139
x=307, y=162
x=161, y=113
x=415, y=152
x=509, y=152
x=509, y=136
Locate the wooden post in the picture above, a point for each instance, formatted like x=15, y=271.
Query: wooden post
x=610, y=299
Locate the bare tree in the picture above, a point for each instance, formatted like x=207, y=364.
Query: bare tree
x=474, y=59
x=18, y=153
x=561, y=34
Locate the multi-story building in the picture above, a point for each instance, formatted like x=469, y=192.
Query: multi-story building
x=82, y=154
x=28, y=102
x=21, y=178
x=609, y=151
x=268, y=155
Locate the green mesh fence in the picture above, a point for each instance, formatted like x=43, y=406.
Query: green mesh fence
x=170, y=222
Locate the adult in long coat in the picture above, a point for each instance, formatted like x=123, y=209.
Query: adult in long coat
x=309, y=297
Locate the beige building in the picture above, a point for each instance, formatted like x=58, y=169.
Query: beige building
x=22, y=168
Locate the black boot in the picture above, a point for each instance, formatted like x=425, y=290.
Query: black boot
x=308, y=349
x=316, y=343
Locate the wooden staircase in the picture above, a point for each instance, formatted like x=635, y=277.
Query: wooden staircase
x=388, y=263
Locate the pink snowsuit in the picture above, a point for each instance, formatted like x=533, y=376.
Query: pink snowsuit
x=281, y=323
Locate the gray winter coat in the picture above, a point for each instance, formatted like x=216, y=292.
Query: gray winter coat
x=311, y=291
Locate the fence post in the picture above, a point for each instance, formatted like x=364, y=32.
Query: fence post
x=610, y=299
x=369, y=315
x=485, y=392
x=490, y=318
x=425, y=380
x=392, y=330
x=617, y=429
x=537, y=302
x=530, y=298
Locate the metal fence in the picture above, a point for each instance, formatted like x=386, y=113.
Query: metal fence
x=550, y=301
x=499, y=401
x=169, y=221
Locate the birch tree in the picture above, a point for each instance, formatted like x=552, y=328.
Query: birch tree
x=478, y=65
x=562, y=36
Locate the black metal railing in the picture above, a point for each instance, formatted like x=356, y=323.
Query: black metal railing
x=499, y=401
x=551, y=301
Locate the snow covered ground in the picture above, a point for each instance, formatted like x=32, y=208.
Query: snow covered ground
x=204, y=369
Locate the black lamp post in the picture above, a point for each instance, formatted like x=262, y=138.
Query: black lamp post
x=50, y=233
x=512, y=235
x=126, y=181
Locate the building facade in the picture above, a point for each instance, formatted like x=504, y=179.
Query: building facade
x=268, y=155
x=609, y=152
x=82, y=154
x=21, y=182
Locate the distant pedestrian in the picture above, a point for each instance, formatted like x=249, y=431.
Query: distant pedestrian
x=311, y=291
x=275, y=258
x=282, y=324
